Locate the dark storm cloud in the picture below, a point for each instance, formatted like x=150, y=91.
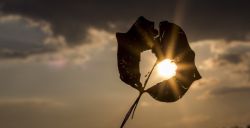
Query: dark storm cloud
x=200, y=19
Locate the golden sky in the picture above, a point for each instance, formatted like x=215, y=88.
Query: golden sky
x=58, y=66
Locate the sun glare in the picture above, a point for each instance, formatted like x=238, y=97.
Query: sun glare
x=167, y=68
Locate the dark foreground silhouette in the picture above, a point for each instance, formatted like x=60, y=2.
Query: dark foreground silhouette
x=169, y=42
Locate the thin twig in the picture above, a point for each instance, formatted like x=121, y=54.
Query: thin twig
x=134, y=105
x=146, y=81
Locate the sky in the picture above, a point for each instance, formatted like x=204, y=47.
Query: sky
x=58, y=66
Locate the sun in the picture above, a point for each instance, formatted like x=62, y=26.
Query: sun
x=167, y=68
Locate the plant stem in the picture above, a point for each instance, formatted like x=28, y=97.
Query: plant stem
x=134, y=105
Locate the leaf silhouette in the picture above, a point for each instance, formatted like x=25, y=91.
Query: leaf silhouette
x=174, y=45
x=170, y=42
x=130, y=45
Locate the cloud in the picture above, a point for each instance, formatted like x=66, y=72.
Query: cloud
x=229, y=57
x=55, y=25
x=30, y=102
x=26, y=39
x=97, y=40
x=70, y=19
x=230, y=90
x=9, y=18
x=207, y=81
x=31, y=113
x=194, y=119
x=21, y=37
x=47, y=47
x=190, y=121
x=234, y=54
x=224, y=66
